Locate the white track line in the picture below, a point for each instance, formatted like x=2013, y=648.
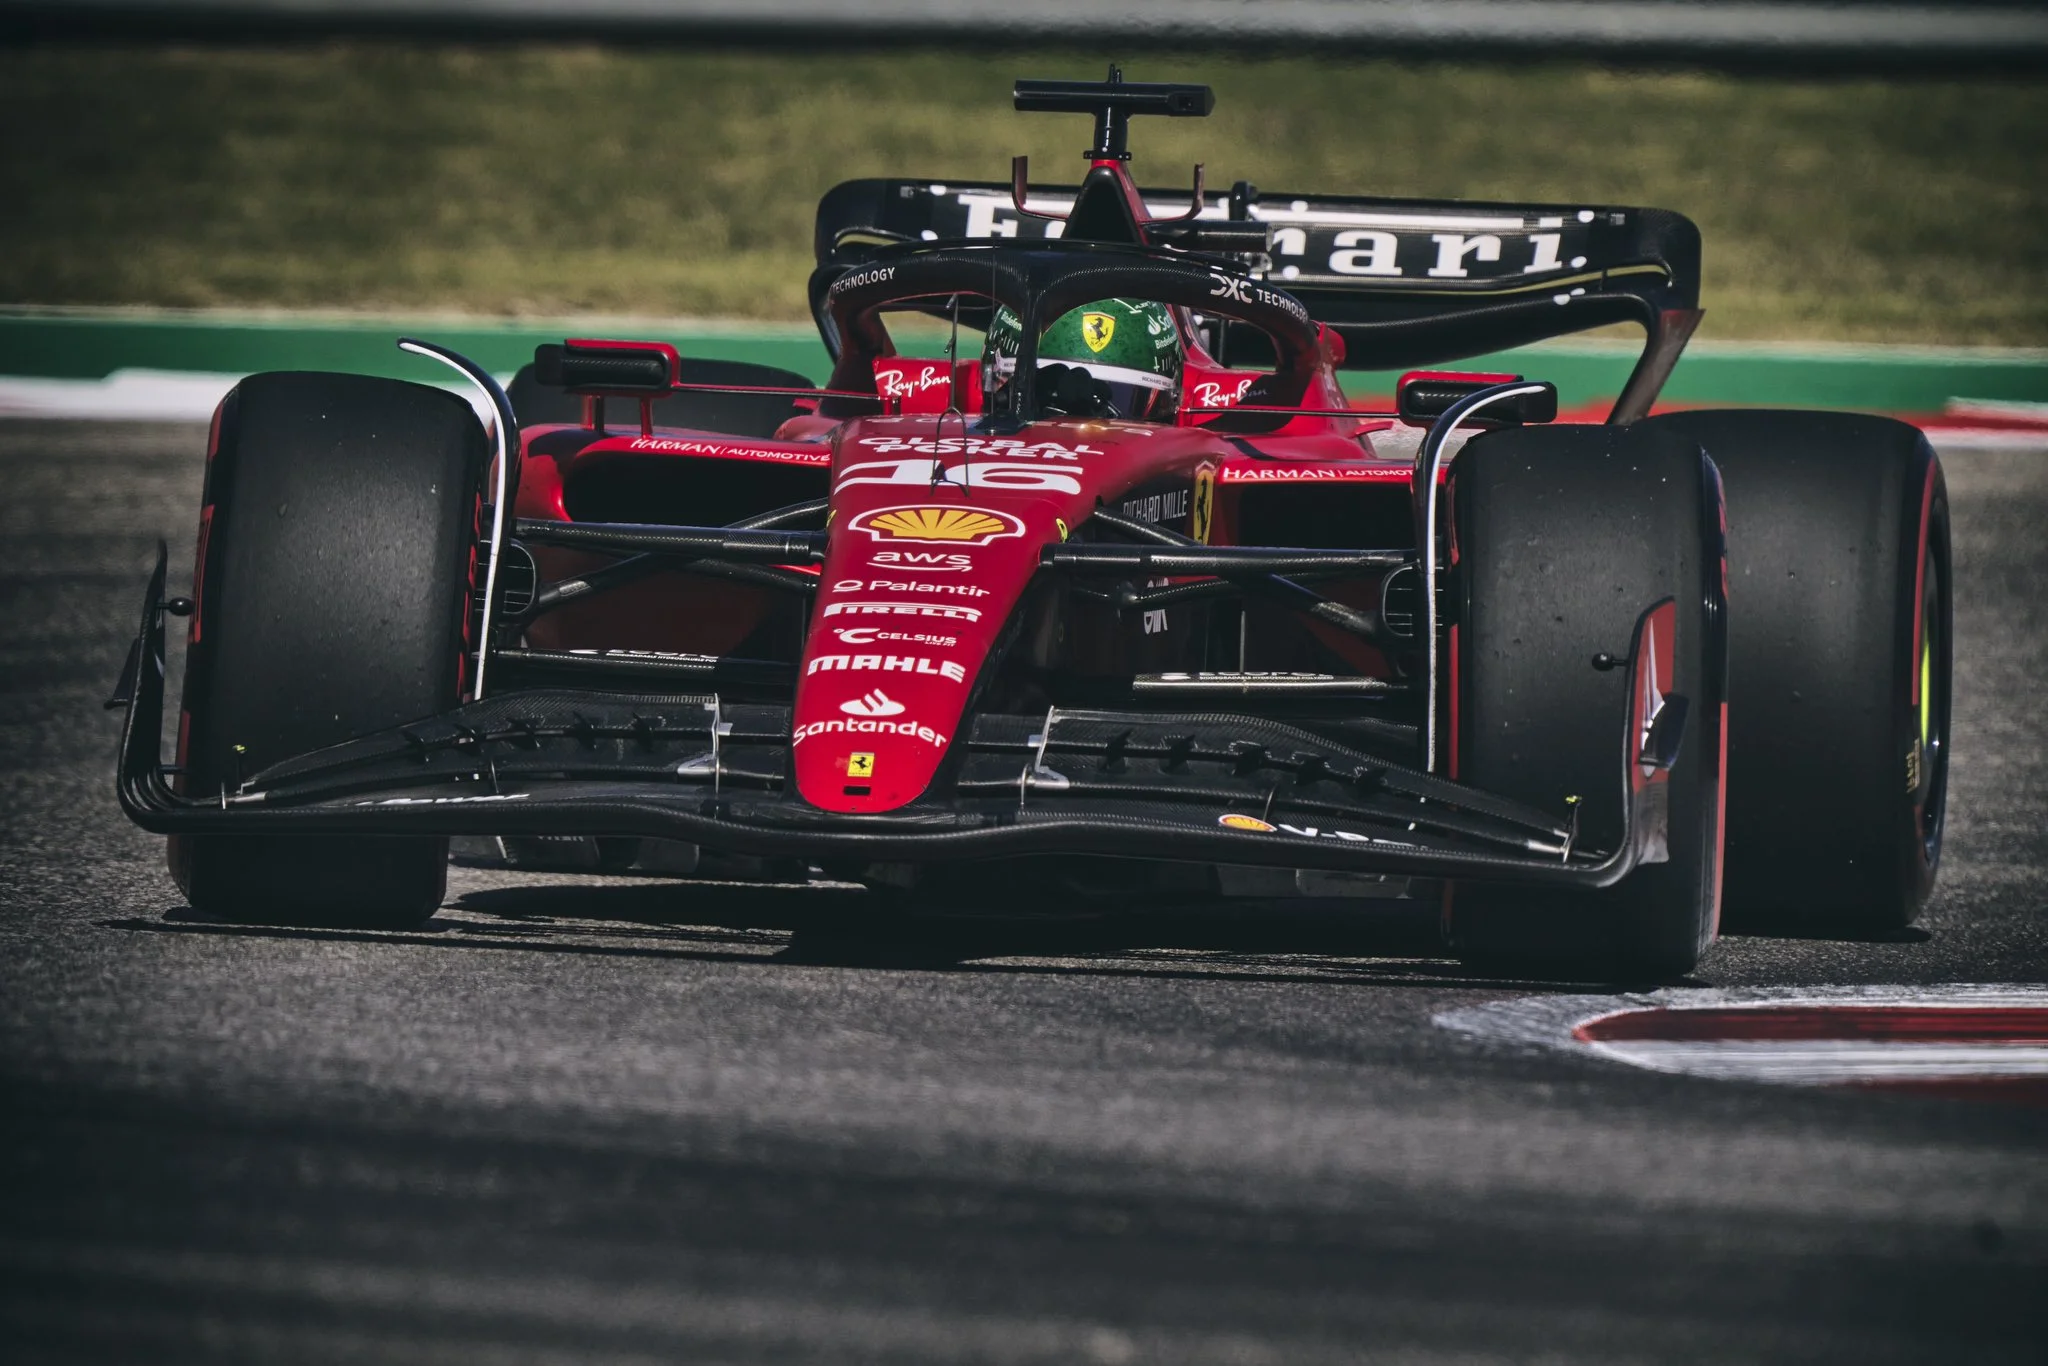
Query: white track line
x=1818, y=1062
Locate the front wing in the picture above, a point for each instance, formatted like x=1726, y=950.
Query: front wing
x=1209, y=787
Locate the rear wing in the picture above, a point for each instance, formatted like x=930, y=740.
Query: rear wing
x=1406, y=282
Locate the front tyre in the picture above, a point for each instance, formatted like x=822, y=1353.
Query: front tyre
x=337, y=551
x=1562, y=538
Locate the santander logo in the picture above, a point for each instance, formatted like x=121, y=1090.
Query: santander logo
x=876, y=703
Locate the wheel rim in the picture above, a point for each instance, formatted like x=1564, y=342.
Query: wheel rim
x=1931, y=730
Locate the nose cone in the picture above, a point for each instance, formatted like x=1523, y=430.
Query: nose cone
x=912, y=598
x=933, y=538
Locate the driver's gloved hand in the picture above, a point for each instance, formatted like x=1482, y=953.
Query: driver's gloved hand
x=1070, y=391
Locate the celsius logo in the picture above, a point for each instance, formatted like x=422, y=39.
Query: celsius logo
x=869, y=635
x=876, y=703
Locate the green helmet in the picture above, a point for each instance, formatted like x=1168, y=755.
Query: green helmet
x=1129, y=349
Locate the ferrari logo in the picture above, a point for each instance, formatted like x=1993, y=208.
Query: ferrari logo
x=1097, y=329
x=860, y=766
x=1203, y=511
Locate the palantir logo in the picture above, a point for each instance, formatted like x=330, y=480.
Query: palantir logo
x=876, y=703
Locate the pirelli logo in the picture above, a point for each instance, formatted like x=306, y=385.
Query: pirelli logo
x=903, y=609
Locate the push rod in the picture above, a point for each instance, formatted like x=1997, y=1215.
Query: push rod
x=725, y=543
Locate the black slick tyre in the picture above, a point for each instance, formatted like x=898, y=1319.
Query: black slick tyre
x=1840, y=660
x=1563, y=538
x=759, y=415
x=337, y=546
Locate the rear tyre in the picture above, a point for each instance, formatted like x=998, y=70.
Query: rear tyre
x=1563, y=537
x=756, y=415
x=337, y=546
x=1840, y=659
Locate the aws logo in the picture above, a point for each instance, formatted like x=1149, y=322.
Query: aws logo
x=921, y=561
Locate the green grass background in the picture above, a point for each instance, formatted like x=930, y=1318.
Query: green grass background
x=570, y=179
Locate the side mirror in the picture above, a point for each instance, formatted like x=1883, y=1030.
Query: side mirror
x=1422, y=396
x=1214, y=235
x=624, y=369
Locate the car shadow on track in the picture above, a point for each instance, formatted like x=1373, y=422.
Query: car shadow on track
x=810, y=927
x=1826, y=931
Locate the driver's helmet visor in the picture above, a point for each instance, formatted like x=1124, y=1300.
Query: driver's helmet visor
x=1117, y=391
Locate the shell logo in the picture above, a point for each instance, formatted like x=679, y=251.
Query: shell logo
x=937, y=526
x=1236, y=822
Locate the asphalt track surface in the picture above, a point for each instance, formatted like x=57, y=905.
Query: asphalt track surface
x=617, y=1120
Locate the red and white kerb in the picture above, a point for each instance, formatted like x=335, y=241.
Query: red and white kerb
x=1987, y=1042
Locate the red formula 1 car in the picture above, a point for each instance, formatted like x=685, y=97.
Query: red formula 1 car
x=1118, y=596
